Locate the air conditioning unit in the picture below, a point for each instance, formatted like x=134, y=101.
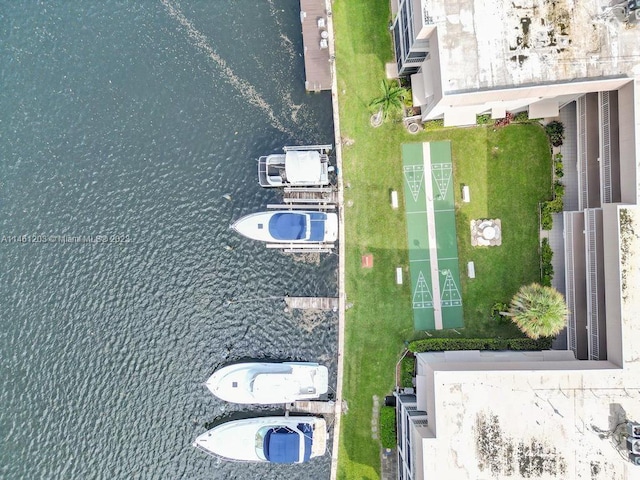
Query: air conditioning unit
x=635, y=459
x=633, y=445
x=633, y=429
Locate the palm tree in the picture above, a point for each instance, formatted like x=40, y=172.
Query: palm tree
x=538, y=311
x=391, y=101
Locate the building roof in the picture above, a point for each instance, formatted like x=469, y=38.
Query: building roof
x=488, y=44
x=495, y=419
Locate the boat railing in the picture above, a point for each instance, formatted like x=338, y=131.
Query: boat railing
x=321, y=148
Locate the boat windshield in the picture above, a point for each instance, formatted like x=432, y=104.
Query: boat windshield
x=260, y=434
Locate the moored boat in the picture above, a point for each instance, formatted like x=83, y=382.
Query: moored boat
x=300, y=166
x=267, y=439
x=284, y=226
x=266, y=383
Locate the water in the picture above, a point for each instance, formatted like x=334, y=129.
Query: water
x=135, y=122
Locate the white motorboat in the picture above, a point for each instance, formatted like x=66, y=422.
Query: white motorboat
x=265, y=383
x=285, y=226
x=303, y=166
x=267, y=439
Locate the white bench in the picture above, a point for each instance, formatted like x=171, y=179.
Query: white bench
x=466, y=194
x=471, y=270
x=399, y=275
x=394, y=199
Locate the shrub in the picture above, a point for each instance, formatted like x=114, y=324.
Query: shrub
x=546, y=267
x=447, y=344
x=555, y=132
x=436, y=124
x=387, y=426
x=496, y=311
x=502, y=122
x=559, y=169
x=407, y=368
x=546, y=219
x=521, y=117
x=483, y=119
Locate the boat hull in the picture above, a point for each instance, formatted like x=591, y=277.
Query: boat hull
x=240, y=440
x=269, y=383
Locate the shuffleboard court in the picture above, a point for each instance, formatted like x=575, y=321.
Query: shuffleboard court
x=431, y=228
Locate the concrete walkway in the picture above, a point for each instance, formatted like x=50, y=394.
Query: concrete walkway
x=341, y=246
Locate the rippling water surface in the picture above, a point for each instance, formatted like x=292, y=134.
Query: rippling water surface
x=139, y=123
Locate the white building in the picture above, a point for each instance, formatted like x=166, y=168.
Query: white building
x=560, y=414
x=470, y=57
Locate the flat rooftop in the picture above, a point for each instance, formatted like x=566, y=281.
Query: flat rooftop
x=492, y=419
x=488, y=44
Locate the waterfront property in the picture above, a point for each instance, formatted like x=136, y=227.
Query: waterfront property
x=560, y=417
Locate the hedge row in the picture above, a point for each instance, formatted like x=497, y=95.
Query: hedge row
x=388, y=427
x=445, y=344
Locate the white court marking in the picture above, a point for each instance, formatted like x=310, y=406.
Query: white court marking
x=414, y=175
x=433, y=250
x=422, y=297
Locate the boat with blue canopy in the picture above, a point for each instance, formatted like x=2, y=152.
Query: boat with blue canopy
x=267, y=439
x=285, y=226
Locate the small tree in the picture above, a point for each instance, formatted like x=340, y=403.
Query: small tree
x=538, y=311
x=555, y=131
x=391, y=101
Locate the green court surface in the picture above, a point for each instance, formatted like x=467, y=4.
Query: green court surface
x=431, y=228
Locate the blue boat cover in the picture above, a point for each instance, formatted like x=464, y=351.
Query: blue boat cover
x=293, y=226
x=288, y=226
x=282, y=445
x=317, y=226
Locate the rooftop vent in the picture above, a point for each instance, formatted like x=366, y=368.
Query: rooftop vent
x=633, y=445
x=633, y=429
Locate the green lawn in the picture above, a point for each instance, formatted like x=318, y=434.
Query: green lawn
x=505, y=183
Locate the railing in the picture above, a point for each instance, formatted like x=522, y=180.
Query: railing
x=605, y=148
x=592, y=283
x=583, y=189
x=569, y=282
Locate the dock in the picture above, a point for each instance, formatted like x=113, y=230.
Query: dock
x=314, y=407
x=312, y=303
x=315, y=40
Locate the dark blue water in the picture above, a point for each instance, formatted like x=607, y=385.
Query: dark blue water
x=127, y=125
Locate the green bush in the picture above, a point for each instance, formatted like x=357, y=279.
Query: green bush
x=521, y=117
x=546, y=267
x=546, y=219
x=483, y=119
x=448, y=344
x=407, y=368
x=436, y=124
x=387, y=426
x=496, y=309
x=559, y=169
x=555, y=131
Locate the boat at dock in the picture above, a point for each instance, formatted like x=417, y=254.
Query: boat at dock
x=286, y=439
x=267, y=383
x=287, y=227
x=298, y=166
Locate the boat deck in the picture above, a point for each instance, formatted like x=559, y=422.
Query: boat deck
x=315, y=39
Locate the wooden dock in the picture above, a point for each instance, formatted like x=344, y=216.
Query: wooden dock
x=315, y=39
x=312, y=303
x=314, y=407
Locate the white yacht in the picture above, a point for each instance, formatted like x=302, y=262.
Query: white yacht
x=267, y=383
x=267, y=439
